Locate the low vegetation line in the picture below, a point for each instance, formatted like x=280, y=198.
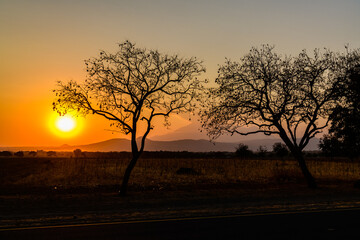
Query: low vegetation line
x=164, y=172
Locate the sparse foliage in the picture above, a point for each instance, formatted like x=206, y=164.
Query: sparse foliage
x=287, y=96
x=132, y=87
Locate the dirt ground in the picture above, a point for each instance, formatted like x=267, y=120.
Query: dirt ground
x=41, y=207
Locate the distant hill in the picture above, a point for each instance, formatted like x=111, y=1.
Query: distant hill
x=120, y=144
x=190, y=145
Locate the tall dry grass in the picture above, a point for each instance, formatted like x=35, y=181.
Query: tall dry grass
x=92, y=172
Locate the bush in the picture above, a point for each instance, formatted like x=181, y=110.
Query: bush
x=51, y=153
x=78, y=153
x=262, y=151
x=19, y=154
x=32, y=153
x=5, y=154
x=280, y=150
x=243, y=151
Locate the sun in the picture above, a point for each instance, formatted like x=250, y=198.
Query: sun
x=67, y=126
x=65, y=123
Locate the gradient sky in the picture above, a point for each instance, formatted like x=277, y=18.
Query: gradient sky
x=46, y=41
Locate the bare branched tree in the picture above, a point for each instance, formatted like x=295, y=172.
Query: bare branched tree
x=291, y=97
x=132, y=87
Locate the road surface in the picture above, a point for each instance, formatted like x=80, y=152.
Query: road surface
x=321, y=224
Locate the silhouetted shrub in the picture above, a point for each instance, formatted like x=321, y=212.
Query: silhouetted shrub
x=78, y=153
x=19, y=154
x=243, y=151
x=51, y=153
x=280, y=149
x=5, y=154
x=262, y=151
x=32, y=154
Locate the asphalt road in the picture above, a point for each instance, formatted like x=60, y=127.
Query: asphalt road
x=326, y=224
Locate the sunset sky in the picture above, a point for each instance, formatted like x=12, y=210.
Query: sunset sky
x=46, y=41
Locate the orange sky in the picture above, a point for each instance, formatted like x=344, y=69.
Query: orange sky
x=46, y=41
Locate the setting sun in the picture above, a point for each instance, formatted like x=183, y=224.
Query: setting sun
x=65, y=126
x=65, y=123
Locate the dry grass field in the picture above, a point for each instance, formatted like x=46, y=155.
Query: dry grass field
x=58, y=190
x=164, y=173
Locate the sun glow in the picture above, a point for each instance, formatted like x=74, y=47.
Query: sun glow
x=65, y=126
x=65, y=123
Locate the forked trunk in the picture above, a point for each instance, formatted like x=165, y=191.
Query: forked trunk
x=304, y=169
x=298, y=155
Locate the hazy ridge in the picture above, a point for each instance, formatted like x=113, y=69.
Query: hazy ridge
x=190, y=145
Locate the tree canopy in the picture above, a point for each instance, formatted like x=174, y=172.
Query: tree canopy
x=344, y=134
x=130, y=87
x=291, y=97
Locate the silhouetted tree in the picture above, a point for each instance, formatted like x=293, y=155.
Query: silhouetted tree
x=19, y=154
x=280, y=149
x=331, y=146
x=132, y=87
x=344, y=134
x=51, y=153
x=243, y=150
x=32, y=153
x=6, y=154
x=288, y=96
x=77, y=153
x=262, y=151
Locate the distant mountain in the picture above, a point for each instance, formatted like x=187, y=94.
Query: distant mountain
x=112, y=145
x=120, y=144
x=190, y=145
x=194, y=131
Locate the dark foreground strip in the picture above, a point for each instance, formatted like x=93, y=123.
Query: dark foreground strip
x=182, y=219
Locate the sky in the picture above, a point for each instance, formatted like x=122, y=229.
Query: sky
x=43, y=42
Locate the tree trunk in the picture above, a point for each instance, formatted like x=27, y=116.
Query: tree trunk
x=130, y=167
x=135, y=156
x=308, y=176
